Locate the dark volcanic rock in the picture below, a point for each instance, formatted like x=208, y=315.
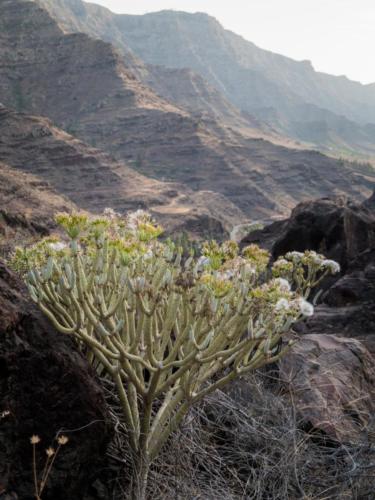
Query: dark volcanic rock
x=344, y=231
x=337, y=227
x=47, y=388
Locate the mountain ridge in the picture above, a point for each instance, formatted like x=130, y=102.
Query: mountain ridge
x=255, y=84
x=88, y=89
x=253, y=79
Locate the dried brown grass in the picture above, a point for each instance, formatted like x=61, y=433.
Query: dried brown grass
x=249, y=443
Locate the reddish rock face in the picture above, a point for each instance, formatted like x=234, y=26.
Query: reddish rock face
x=46, y=387
x=332, y=381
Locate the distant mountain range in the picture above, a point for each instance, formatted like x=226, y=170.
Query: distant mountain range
x=106, y=128
x=328, y=112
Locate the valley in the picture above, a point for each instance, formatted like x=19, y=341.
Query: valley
x=146, y=139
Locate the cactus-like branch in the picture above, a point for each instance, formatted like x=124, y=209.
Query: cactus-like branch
x=167, y=330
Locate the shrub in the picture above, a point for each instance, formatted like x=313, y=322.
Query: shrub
x=167, y=330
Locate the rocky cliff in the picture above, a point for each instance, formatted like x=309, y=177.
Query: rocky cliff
x=288, y=95
x=182, y=86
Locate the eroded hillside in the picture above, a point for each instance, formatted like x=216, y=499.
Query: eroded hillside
x=86, y=88
x=328, y=112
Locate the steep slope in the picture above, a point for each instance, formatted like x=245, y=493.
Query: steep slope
x=200, y=42
x=28, y=204
x=93, y=180
x=274, y=88
x=84, y=86
x=85, y=175
x=181, y=86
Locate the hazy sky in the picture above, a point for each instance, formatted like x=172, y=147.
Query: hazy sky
x=338, y=36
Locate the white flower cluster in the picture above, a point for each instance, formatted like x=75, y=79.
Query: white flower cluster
x=282, y=305
x=110, y=213
x=332, y=265
x=283, y=284
x=305, y=307
x=280, y=263
x=294, y=256
x=313, y=257
x=58, y=246
x=300, y=304
x=134, y=218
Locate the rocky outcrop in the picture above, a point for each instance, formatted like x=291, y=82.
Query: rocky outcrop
x=332, y=384
x=344, y=231
x=46, y=388
x=121, y=115
x=330, y=371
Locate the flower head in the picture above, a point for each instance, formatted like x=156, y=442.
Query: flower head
x=282, y=267
x=58, y=246
x=73, y=223
x=313, y=258
x=306, y=309
x=294, y=256
x=332, y=265
x=282, y=305
x=135, y=218
x=219, y=285
x=229, y=249
x=35, y=439
x=110, y=213
x=62, y=440
x=283, y=284
x=257, y=256
x=50, y=452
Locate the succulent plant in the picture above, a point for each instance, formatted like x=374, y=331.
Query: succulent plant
x=167, y=330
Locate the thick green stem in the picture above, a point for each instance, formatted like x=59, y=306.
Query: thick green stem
x=141, y=470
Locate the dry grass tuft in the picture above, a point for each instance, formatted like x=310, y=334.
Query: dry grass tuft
x=249, y=443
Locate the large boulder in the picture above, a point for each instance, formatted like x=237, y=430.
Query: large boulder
x=337, y=227
x=332, y=382
x=343, y=231
x=348, y=308
x=46, y=387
